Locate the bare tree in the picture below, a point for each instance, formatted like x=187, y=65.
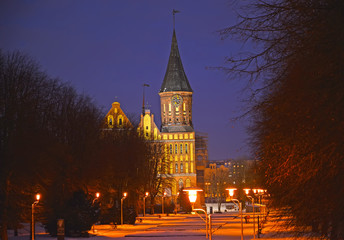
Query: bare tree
x=217, y=180
x=298, y=111
x=47, y=133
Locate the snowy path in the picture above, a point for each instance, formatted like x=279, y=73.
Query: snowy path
x=174, y=227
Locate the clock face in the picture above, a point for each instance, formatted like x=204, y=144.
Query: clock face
x=177, y=100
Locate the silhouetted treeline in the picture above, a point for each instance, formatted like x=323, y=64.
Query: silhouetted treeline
x=298, y=113
x=53, y=142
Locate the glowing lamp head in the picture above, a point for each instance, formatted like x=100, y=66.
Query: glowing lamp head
x=146, y=194
x=231, y=191
x=247, y=191
x=97, y=195
x=254, y=191
x=125, y=194
x=38, y=196
x=192, y=193
x=261, y=190
x=165, y=194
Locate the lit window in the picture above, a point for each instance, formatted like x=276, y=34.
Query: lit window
x=176, y=168
x=181, y=167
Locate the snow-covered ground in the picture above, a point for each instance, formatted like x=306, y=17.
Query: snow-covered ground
x=181, y=226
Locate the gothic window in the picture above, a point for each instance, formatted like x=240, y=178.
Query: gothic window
x=170, y=148
x=181, y=167
x=120, y=120
x=176, y=168
x=176, y=148
x=181, y=148
x=180, y=183
x=186, y=148
x=187, y=183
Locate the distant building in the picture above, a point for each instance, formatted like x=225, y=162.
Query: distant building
x=237, y=169
x=201, y=157
x=220, y=174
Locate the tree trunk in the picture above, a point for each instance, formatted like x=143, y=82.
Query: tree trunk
x=4, y=231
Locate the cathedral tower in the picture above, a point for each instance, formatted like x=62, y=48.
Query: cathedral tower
x=177, y=129
x=176, y=95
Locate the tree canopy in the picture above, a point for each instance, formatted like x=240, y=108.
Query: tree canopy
x=297, y=129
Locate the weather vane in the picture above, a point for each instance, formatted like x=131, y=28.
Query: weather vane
x=174, y=13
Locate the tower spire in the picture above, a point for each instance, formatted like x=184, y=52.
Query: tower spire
x=175, y=78
x=143, y=100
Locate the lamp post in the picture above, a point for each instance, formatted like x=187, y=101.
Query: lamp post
x=254, y=217
x=258, y=193
x=38, y=197
x=96, y=198
x=192, y=193
x=162, y=205
x=239, y=204
x=124, y=196
x=144, y=203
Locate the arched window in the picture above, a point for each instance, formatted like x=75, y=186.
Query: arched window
x=181, y=167
x=170, y=148
x=176, y=148
x=187, y=183
x=186, y=148
x=180, y=183
x=187, y=167
x=110, y=120
x=181, y=148
x=120, y=120
x=176, y=168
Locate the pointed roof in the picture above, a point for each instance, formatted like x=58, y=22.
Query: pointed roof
x=175, y=77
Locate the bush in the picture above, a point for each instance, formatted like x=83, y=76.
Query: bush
x=113, y=215
x=79, y=214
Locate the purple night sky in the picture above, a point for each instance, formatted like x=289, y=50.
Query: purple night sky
x=108, y=49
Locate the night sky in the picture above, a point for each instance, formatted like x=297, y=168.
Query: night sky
x=109, y=49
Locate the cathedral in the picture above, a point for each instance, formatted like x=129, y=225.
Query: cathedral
x=176, y=133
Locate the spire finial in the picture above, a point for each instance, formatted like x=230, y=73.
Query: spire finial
x=174, y=13
x=143, y=101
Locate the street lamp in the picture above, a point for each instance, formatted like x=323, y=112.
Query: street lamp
x=38, y=197
x=162, y=205
x=124, y=196
x=254, y=221
x=144, y=203
x=96, y=198
x=239, y=204
x=258, y=193
x=192, y=193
